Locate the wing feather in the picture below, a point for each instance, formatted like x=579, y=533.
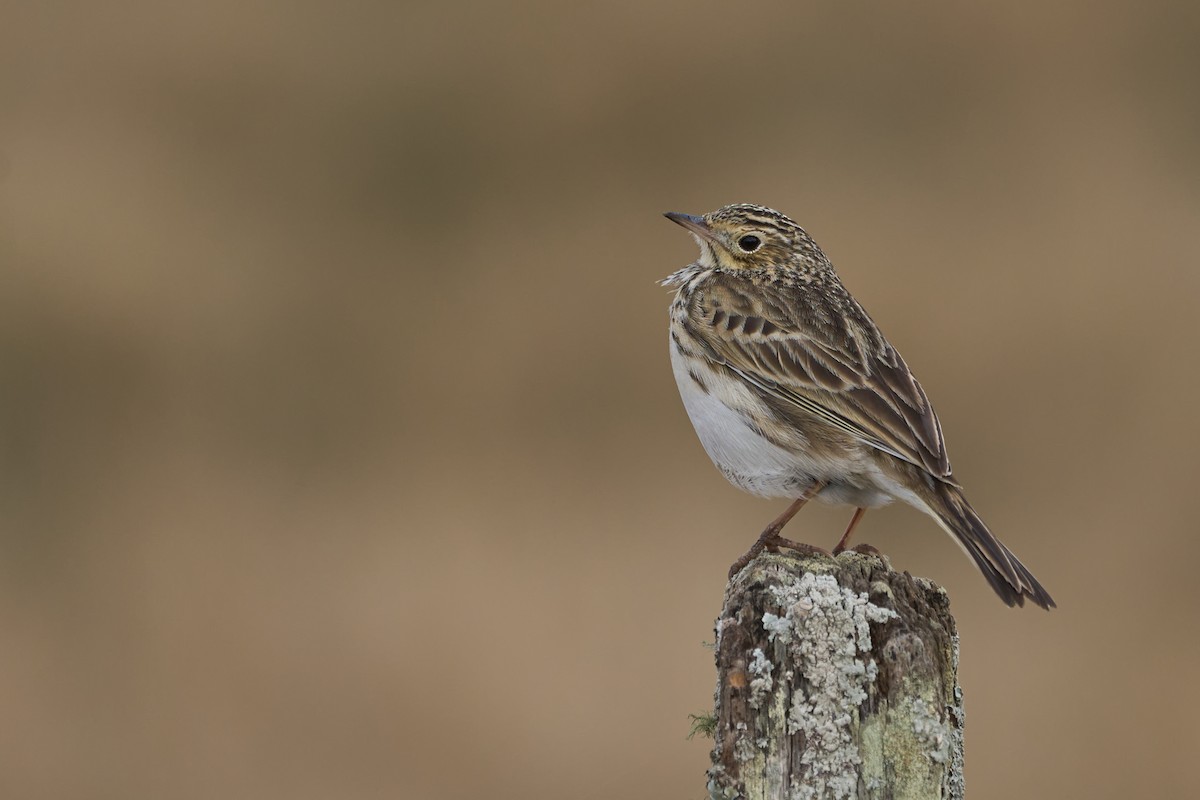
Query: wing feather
x=814, y=348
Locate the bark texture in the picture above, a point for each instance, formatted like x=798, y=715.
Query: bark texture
x=837, y=678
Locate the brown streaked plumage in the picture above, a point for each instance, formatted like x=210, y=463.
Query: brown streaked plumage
x=794, y=392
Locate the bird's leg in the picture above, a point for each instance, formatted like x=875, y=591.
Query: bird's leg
x=841, y=545
x=770, y=538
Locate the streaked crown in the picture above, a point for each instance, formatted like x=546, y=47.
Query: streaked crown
x=751, y=237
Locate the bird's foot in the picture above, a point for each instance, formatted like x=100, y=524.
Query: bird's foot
x=771, y=541
x=800, y=547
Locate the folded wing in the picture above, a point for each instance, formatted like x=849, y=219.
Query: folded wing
x=815, y=349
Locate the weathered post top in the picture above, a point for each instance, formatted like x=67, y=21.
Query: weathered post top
x=837, y=678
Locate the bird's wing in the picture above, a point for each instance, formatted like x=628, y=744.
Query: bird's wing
x=815, y=349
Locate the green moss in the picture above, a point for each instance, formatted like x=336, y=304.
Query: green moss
x=702, y=724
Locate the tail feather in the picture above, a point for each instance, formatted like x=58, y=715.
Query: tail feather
x=1006, y=574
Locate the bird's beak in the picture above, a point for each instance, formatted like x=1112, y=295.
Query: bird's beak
x=695, y=224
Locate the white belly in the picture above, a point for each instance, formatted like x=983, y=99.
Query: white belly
x=757, y=465
x=748, y=460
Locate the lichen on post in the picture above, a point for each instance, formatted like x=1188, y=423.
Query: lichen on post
x=837, y=678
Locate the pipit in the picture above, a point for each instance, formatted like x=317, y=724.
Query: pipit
x=795, y=393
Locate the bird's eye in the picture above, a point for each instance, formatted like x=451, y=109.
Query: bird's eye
x=749, y=243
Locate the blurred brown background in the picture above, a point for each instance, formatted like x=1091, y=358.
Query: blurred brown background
x=340, y=452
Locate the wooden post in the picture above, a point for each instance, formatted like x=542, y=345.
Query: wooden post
x=836, y=678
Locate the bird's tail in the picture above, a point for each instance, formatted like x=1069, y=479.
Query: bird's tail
x=1007, y=575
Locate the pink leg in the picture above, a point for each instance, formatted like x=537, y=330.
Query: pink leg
x=770, y=538
x=841, y=545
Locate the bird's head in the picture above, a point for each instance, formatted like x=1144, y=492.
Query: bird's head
x=750, y=237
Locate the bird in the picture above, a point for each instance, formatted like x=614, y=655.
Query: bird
x=795, y=393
